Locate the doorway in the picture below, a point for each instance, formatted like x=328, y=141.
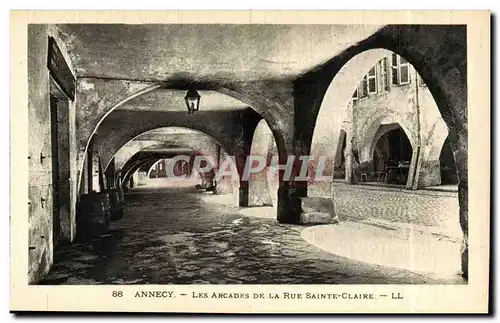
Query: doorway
x=60, y=143
x=392, y=154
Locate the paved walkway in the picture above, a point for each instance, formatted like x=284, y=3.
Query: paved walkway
x=433, y=212
x=183, y=236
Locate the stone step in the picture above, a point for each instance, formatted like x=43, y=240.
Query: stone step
x=317, y=218
x=318, y=210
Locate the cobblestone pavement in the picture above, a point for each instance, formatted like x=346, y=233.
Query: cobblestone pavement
x=431, y=211
x=176, y=236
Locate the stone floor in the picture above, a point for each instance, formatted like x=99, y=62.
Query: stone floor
x=183, y=236
x=434, y=212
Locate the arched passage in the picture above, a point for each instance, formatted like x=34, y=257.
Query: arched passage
x=93, y=125
x=159, y=169
x=157, y=175
x=204, y=145
x=393, y=153
x=443, y=69
x=263, y=185
x=330, y=116
x=194, y=139
x=447, y=165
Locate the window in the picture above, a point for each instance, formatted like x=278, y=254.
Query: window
x=404, y=71
x=363, y=89
x=394, y=69
x=384, y=74
x=372, y=81
x=400, y=70
x=355, y=95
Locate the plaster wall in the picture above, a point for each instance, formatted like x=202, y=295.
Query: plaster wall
x=40, y=185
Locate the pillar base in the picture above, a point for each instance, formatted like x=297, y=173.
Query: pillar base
x=463, y=200
x=289, y=206
x=429, y=174
x=318, y=210
x=465, y=261
x=243, y=198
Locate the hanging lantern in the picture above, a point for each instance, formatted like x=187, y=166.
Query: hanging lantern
x=192, y=99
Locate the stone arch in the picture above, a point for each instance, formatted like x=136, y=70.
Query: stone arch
x=169, y=131
x=437, y=146
x=329, y=118
x=377, y=129
x=102, y=112
x=159, y=160
x=129, y=170
x=263, y=186
x=231, y=182
x=383, y=131
x=439, y=54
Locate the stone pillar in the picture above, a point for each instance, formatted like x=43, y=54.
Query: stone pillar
x=428, y=174
x=289, y=205
x=318, y=206
x=414, y=164
x=142, y=177
x=224, y=184
x=135, y=178
x=258, y=189
x=349, y=159
x=243, y=193
x=459, y=146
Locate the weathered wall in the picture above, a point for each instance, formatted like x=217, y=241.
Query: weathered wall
x=414, y=109
x=40, y=188
x=259, y=191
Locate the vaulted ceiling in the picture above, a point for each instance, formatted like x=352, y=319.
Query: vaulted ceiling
x=232, y=52
x=204, y=53
x=173, y=100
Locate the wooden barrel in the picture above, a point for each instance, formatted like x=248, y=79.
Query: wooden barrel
x=117, y=203
x=94, y=213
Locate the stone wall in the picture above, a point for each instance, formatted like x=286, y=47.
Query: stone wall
x=40, y=183
x=412, y=107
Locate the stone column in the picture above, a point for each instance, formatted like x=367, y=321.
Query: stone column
x=459, y=145
x=428, y=174
x=142, y=177
x=318, y=206
x=243, y=193
x=349, y=171
x=258, y=189
x=289, y=205
x=224, y=184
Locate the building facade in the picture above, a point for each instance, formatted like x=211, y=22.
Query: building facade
x=395, y=129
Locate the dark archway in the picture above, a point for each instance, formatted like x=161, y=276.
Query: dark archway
x=447, y=165
x=394, y=153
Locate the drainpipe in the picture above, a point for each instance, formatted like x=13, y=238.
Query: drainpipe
x=419, y=137
x=348, y=157
x=90, y=174
x=102, y=184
